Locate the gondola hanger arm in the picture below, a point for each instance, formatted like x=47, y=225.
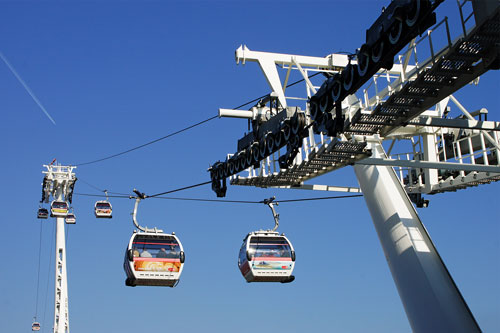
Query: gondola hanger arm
x=138, y=199
x=270, y=202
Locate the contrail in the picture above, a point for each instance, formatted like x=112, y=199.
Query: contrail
x=26, y=87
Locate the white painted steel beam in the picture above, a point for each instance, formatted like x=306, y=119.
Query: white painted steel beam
x=61, y=311
x=431, y=165
x=230, y=113
x=333, y=61
x=430, y=155
x=429, y=295
x=456, y=123
x=316, y=187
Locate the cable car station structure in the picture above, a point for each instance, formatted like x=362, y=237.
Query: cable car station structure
x=383, y=94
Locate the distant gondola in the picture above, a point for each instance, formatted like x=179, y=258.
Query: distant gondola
x=70, y=218
x=43, y=213
x=35, y=326
x=103, y=209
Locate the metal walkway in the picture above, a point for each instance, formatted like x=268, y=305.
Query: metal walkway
x=328, y=157
x=450, y=69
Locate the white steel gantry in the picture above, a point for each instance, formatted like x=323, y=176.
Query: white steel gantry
x=434, y=145
x=59, y=182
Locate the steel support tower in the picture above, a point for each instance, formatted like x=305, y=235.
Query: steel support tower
x=58, y=183
x=370, y=99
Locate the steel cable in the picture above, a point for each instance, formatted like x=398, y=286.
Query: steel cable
x=157, y=196
x=184, y=129
x=146, y=144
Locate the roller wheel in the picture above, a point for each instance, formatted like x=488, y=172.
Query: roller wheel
x=255, y=153
x=287, y=131
x=395, y=32
x=249, y=156
x=278, y=140
x=412, y=13
x=313, y=109
x=377, y=51
x=231, y=167
x=298, y=123
x=220, y=171
x=262, y=148
x=348, y=77
x=325, y=103
x=270, y=143
x=363, y=57
x=242, y=160
x=246, y=164
x=336, y=87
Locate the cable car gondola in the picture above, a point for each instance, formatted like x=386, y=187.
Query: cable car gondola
x=58, y=209
x=152, y=258
x=103, y=209
x=35, y=326
x=43, y=213
x=267, y=256
x=71, y=218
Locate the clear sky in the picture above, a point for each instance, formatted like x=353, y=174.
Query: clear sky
x=117, y=74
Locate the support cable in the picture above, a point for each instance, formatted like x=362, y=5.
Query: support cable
x=127, y=196
x=179, y=189
x=323, y=198
x=184, y=129
x=148, y=143
x=97, y=195
x=156, y=196
x=99, y=189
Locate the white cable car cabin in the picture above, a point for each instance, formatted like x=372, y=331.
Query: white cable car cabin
x=153, y=259
x=267, y=256
x=35, y=326
x=43, y=213
x=59, y=209
x=103, y=209
x=71, y=218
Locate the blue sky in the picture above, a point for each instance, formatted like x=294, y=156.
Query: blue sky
x=117, y=74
